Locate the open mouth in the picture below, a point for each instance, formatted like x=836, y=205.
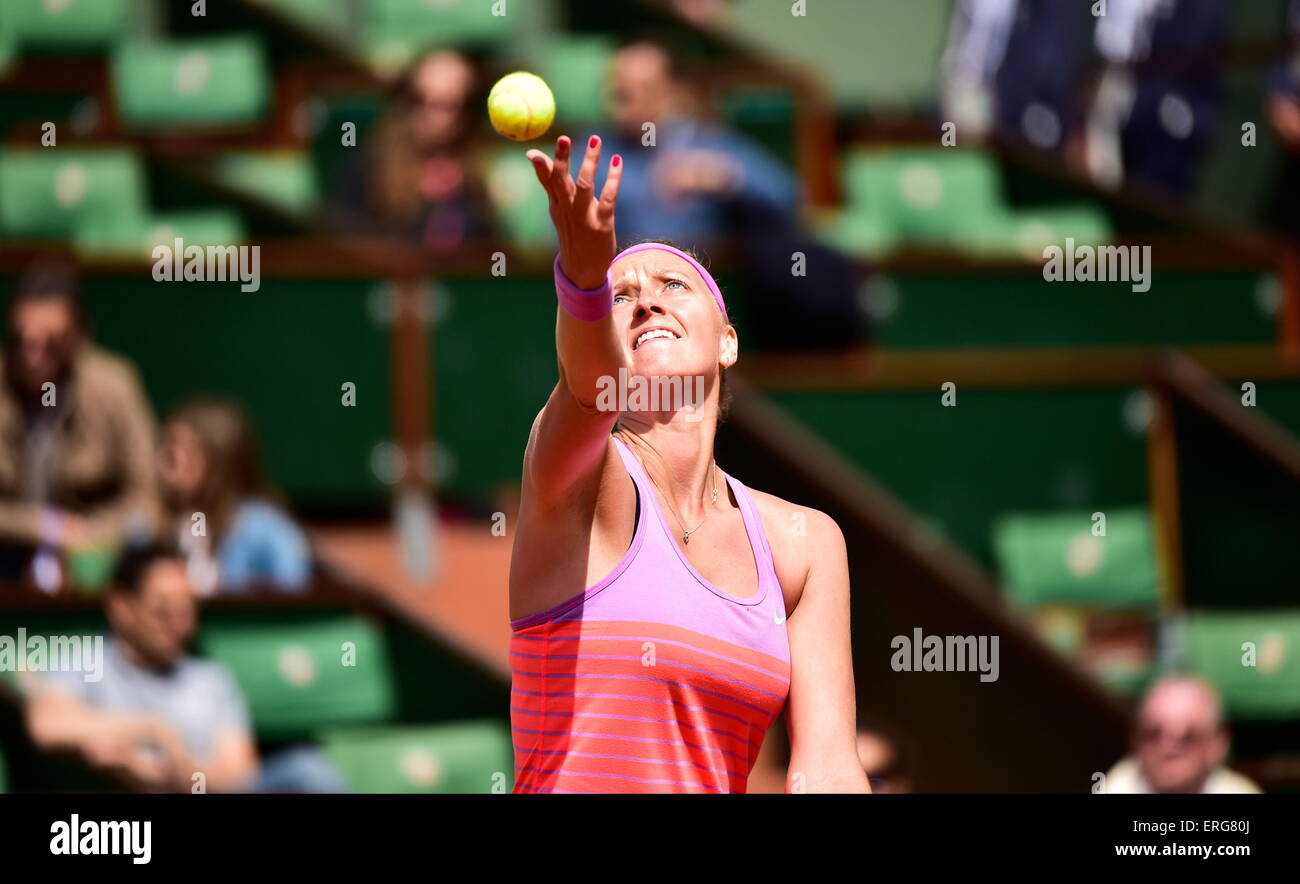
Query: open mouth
x=654, y=334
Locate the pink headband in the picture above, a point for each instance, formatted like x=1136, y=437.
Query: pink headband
x=704, y=274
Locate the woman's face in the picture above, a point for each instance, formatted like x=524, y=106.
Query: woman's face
x=668, y=319
x=439, y=88
x=181, y=462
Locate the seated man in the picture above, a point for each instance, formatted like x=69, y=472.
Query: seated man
x=157, y=716
x=1180, y=743
x=702, y=184
x=76, y=435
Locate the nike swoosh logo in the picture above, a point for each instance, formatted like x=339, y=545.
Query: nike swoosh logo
x=778, y=618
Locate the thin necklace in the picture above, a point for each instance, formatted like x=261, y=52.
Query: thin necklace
x=686, y=535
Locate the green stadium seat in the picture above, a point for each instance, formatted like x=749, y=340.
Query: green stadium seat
x=209, y=82
x=395, y=32
x=49, y=192
x=864, y=233
x=519, y=204
x=1054, y=558
x=469, y=757
x=327, y=16
x=950, y=198
x=284, y=180
x=932, y=195
x=576, y=69
x=136, y=236
x=1033, y=231
x=1267, y=690
x=291, y=667
x=66, y=23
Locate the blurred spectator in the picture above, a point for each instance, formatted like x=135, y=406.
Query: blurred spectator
x=158, y=716
x=1156, y=99
x=1284, y=94
x=1013, y=66
x=209, y=464
x=1284, y=116
x=680, y=185
x=698, y=184
x=416, y=177
x=882, y=760
x=1179, y=744
x=76, y=434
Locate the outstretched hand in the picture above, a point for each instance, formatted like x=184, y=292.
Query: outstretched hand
x=583, y=223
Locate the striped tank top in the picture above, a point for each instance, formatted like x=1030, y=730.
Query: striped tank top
x=654, y=679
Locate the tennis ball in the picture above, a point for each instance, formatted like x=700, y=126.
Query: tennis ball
x=521, y=106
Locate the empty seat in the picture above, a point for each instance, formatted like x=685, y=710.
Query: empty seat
x=293, y=666
x=948, y=198
x=1093, y=598
x=931, y=195
x=1033, y=230
x=66, y=23
x=470, y=757
x=1054, y=558
x=49, y=192
x=394, y=32
x=135, y=237
x=285, y=180
x=1253, y=657
x=861, y=232
x=209, y=82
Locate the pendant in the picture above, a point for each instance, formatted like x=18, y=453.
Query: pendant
x=686, y=537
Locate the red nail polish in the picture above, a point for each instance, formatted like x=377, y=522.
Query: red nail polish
x=593, y=142
x=614, y=162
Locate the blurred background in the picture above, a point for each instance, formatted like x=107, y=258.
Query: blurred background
x=1110, y=485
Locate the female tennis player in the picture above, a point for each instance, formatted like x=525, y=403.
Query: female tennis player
x=663, y=614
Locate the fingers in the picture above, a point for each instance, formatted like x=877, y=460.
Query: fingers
x=560, y=168
x=586, y=183
x=609, y=193
x=553, y=174
x=541, y=166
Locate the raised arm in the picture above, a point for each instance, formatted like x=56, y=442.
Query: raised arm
x=569, y=437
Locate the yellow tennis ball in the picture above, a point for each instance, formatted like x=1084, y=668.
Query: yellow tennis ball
x=521, y=106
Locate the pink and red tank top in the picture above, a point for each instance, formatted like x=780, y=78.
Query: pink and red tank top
x=653, y=679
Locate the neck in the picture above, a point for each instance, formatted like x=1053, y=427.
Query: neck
x=143, y=660
x=678, y=457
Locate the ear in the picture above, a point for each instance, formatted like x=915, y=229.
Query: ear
x=728, y=347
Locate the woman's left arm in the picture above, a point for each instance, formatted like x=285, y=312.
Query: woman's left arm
x=821, y=714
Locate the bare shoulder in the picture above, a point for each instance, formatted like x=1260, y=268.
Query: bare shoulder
x=789, y=520
x=800, y=537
